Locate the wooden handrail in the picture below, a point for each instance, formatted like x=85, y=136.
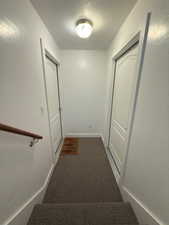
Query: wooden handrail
x=14, y=130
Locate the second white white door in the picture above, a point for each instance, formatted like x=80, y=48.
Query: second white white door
x=124, y=83
x=52, y=92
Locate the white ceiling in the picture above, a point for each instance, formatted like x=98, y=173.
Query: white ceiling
x=60, y=17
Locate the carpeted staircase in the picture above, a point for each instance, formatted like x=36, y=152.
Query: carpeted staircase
x=83, y=214
x=63, y=205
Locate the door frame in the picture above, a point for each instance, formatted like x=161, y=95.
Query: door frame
x=133, y=42
x=139, y=38
x=45, y=53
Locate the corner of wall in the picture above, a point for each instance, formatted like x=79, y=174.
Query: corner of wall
x=21, y=216
x=142, y=212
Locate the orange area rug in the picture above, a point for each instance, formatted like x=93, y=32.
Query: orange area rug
x=70, y=146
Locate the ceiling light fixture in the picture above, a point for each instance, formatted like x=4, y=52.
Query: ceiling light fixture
x=84, y=28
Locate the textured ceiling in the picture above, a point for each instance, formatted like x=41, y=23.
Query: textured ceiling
x=60, y=17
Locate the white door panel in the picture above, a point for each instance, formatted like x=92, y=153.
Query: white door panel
x=122, y=101
x=53, y=103
x=55, y=132
x=117, y=141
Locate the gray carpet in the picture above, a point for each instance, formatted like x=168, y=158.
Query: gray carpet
x=86, y=177
x=83, y=191
x=83, y=214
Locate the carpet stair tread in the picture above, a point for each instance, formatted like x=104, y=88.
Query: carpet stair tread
x=118, y=213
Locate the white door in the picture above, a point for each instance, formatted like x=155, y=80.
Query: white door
x=124, y=83
x=53, y=101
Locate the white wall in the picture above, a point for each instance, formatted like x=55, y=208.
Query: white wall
x=23, y=170
x=146, y=180
x=83, y=75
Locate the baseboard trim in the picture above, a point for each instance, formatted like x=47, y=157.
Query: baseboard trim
x=83, y=135
x=111, y=161
x=10, y=219
x=103, y=141
x=57, y=153
x=27, y=203
x=145, y=216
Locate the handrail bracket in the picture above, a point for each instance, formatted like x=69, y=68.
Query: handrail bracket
x=33, y=142
x=35, y=137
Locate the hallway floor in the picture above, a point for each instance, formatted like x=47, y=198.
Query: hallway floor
x=86, y=177
x=83, y=191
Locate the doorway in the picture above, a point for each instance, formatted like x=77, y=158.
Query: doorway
x=125, y=79
x=53, y=100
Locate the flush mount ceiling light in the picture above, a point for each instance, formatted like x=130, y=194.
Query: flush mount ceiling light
x=84, y=28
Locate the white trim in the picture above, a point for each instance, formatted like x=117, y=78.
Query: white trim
x=103, y=141
x=57, y=153
x=45, y=53
x=83, y=135
x=51, y=57
x=144, y=214
x=27, y=203
x=115, y=157
x=130, y=44
x=142, y=46
x=111, y=162
x=37, y=194
x=141, y=38
x=113, y=166
x=127, y=46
